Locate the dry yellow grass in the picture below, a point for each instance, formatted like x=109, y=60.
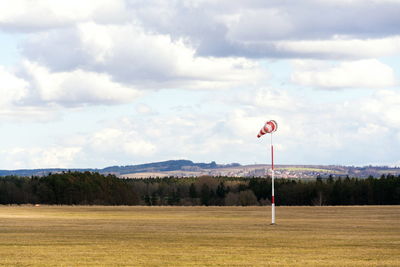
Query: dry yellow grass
x=199, y=236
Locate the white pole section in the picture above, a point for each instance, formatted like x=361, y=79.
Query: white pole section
x=273, y=186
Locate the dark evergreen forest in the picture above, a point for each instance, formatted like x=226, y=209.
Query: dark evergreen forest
x=91, y=188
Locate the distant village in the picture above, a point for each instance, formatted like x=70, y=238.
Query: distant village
x=281, y=171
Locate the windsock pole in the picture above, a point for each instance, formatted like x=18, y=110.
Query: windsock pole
x=270, y=127
x=273, y=186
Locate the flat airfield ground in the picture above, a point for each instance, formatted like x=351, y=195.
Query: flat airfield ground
x=199, y=236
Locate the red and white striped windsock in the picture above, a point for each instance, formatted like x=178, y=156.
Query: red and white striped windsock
x=269, y=127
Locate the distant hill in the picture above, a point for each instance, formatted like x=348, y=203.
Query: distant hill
x=187, y=168
x=164, y=166
x=170, y=165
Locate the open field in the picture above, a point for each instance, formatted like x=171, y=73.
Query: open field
x=199, y=236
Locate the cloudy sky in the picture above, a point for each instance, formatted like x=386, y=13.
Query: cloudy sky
x=111, y=82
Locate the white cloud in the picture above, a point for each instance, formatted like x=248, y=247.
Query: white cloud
x=272, y=98
x=12, y=89
x=164, y=137
x=362, y=73
x=26, y=15
x=350, y=2
x=76, y=87
x=39, y=157
x=117, y=140
x=369, y=130
x=133, y=56
x=33, y=91
x=381, y=108
x=310, y=29
x=271, y=24
x=144, y=109
x=341, y=47
x=14, y=92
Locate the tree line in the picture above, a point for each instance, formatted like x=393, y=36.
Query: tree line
x=91, y=188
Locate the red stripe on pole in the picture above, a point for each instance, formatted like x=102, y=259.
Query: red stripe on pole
x=273, y=200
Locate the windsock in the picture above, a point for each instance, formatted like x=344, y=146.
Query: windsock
x=269, y=127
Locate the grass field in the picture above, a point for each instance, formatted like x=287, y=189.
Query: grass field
x=199, y=236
